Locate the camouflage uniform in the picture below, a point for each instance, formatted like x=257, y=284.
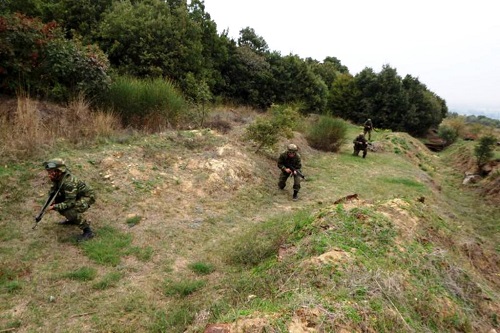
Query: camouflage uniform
x=368, y=126
x=360, y=143
x=74, y=198
x=293, y=162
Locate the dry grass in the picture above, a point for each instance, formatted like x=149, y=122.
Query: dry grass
x=32, y=126
x=174, y=204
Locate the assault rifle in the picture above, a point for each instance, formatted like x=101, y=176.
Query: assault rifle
x=49, y=202
x=298, y=172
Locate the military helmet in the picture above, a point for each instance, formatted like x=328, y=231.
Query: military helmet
x=55, y=164
x=292, y=148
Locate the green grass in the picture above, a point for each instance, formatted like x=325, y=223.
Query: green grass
x=201, y=268
x=82, y=274
x=219, y=245
x=108, y=281
x=108, y=247
x=182, y=288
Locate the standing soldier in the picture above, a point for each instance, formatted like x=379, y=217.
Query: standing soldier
x=289, y=163
x=360, y=143
x=367, y=128
x=73, y=199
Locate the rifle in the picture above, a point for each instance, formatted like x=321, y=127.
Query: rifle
x=298, y=172
x=49, y=202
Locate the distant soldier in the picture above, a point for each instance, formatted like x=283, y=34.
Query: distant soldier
x=360, y=144
x=73, y=199
x=289, y=163
x=367, y=128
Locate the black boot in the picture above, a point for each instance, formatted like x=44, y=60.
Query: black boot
x=295, y=195
x=87, y=234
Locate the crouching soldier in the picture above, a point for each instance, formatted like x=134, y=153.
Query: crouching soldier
x=73, y=199
x=360, y=144
x=289, y=162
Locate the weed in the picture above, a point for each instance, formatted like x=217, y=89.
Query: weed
x=82, y=274
x=108, y=281
x=108, y=246
x=201, y=268
x=134, y=220
x=182, y=288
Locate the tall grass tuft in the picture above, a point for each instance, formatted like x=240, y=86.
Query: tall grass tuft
x=33, y=126
x=327, y=134
x=153, y=104
x=22, y=130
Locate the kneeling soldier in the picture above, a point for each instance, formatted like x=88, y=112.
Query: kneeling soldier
x=73, y=199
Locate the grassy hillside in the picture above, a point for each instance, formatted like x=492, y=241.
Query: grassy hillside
x=193, y=235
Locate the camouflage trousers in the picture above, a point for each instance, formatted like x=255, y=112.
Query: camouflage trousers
x=75, y=215
x=283, y=178
x=357, y=149
x=369, y=132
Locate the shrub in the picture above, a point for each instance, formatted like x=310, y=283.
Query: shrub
x=327, y=134
x=152, y=103
x=266, y=131
x=448, y=134
x=484, y=150
x=37, y=58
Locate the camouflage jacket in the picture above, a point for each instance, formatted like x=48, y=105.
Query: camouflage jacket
x=285, y=161
x=360, y=142
x=368, y=125
x=73, y=192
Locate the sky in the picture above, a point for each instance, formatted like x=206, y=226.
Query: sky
x=453, y=47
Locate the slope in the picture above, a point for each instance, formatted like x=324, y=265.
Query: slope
x=192, y=230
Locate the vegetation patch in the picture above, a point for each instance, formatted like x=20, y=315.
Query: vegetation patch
x=108, y=247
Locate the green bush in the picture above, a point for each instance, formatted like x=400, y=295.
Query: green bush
x=266, y=131
x=484, y=150
x=37, y=58
x=153, y=103
x=327, y=134
x=448, y=134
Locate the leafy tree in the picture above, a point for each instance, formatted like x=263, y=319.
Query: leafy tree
x=248, y=77
x=343, y=100
x=152, y=38
x=484, y=150
x=256, y=43
x=295, y=82
x=36, y=57
x=425, y=110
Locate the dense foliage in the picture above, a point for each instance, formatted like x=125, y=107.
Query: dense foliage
x=37, y=58
x=178, y=41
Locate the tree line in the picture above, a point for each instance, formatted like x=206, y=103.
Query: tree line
x=58, y=48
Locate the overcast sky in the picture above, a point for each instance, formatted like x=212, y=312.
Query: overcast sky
x=453, y=47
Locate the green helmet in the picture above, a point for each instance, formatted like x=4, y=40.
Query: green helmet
x=292, y=148
x=55, y=163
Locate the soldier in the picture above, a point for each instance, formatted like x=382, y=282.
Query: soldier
x=289, y=163
x=367, y=128
x=360, y=143
x=73, y=199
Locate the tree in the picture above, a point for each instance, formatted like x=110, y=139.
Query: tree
x=295, y=82
x=484, y=150
x=249, y=38
x=38, y=58
x=343, y=100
